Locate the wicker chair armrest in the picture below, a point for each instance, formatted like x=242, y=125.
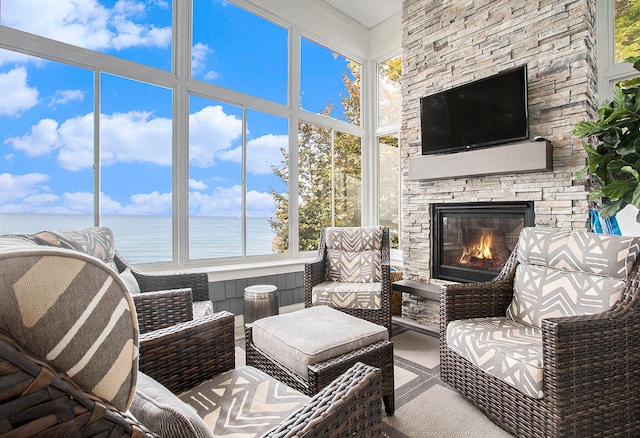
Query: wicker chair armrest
x=186, y=354
x=314, y=273
x=198, y=282
x=348, y=406
x=160, y=309
x=575, y=349
x=477, y=300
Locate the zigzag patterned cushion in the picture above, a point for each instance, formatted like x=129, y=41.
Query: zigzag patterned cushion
x=347, y=295
x=564, y=273
x=354, y=254
x=506, y=349
x=578, y=251
x=98, y=242
x=244, y=402
x=70, y=309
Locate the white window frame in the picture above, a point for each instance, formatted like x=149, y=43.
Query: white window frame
x=609, y=71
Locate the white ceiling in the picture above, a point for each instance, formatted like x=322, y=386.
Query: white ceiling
x=369, y=13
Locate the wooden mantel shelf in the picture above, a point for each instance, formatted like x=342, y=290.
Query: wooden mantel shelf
x=526, y=157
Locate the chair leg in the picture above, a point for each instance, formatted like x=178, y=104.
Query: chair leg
x=389, y=404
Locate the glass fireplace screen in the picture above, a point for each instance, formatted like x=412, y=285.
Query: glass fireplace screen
x=472, y=242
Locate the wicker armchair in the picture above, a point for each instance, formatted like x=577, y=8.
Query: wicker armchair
x=69, y=364
x=162, y=300
x=590, y=362
x=352, y=273
x=167, y=299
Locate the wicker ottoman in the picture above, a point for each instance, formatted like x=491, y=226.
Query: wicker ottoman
x=308, y=348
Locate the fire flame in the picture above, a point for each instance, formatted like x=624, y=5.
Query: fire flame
x=480, y=250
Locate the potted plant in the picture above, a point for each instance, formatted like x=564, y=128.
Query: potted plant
x=613, y=159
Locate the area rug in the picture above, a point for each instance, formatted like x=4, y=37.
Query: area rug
x=425, y=406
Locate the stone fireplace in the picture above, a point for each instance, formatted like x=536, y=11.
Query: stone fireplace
x=446, y=44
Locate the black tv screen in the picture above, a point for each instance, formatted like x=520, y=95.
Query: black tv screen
x=485, y=112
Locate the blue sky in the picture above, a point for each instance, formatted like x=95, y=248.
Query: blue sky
x=46, y=109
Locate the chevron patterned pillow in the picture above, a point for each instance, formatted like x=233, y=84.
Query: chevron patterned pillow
x=354, y=254
x=98, y=242
x=69, y=309
x=565, y=273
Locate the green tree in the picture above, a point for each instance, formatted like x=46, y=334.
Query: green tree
x=627, y=29
x=329, y=175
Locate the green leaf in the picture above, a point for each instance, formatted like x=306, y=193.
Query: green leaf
x=616, y=189
x=595, y=194
x=635, y=199
x=635, y=60
x=581, y=173
x=608, y=209
x=630, y=170
x=618, y=96
x=584, y=129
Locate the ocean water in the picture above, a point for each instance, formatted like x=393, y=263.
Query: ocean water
x=146, y=239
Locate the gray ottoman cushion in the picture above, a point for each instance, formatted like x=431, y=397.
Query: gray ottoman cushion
x=313, y=335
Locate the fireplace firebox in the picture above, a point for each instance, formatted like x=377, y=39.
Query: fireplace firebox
x=472, y=241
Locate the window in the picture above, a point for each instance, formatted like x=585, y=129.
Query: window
x=390, y=187
x=330, y=83
x=627, y=29
x=389, y=115
x=330, y=182
x=46, y=167
x=186, y=149
x=267, y=150
x=238, y=50
x=389, y=95
x=135, y=167
x=135, y=31
x=215, y=180
x=617, y=37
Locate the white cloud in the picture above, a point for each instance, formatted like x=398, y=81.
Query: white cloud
x=227, y=201
x=42, y=140
x=87, y=23
x=199, y=54
x=148, y=203
x=259, y=204
x=16, y=187
x=197, y=185
x=62, y=97
x=262, y=152
x=15, y=94
x=210, y=132
x=210, y=75
x=130, y=137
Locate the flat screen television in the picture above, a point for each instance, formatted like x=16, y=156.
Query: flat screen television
x=486, y=112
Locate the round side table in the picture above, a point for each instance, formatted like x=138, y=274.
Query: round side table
x=260, y=300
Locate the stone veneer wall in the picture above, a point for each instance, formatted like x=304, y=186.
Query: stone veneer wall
x=448, y=43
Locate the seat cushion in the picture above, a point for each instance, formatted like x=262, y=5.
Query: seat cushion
x=164, y=413
x=569, y=272
x=506, y=349
x=313, y=335
x=244, y=402
x=347, y=295
x=353, y=254
x=202, y=309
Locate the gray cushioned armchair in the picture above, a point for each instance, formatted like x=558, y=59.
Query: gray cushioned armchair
x=352, y=273
x=550, y=347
